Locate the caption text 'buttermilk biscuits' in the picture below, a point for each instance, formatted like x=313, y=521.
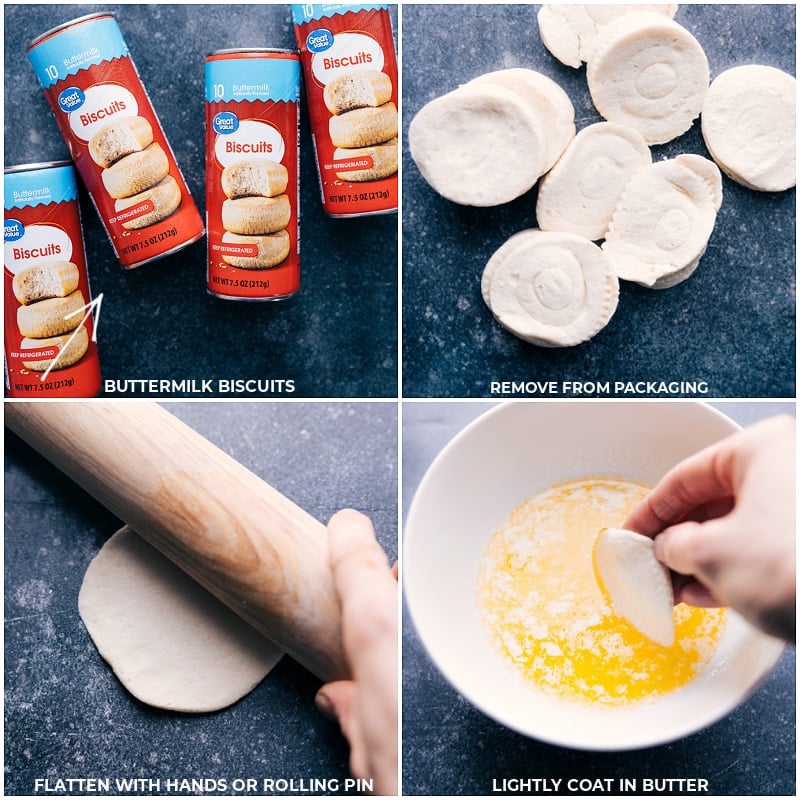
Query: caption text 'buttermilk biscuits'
x=748, y=123
x=568, y=31
x=120, y=138
x=663, y=221
x=71, y=349
x=550, y=289
x=649, y=73
x=581, y=191
x=41, y=281
x=51, y=317
x=638, y=584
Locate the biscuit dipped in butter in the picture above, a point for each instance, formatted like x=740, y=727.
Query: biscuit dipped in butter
x=637, y=583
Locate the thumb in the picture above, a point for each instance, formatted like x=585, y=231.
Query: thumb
x=337, y=700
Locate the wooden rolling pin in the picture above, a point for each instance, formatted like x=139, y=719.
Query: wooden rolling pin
x=250, y=546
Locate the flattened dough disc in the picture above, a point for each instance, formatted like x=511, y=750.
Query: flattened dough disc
x=637, y=582
x=171, y=643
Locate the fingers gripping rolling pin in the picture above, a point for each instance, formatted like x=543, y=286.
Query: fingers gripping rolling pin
x=245, y=542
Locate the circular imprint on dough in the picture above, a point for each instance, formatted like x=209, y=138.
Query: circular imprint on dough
x=554, y=291
x=649, y=73
x=550, y=289
x=672, y=229
x=171, y=643
x=749, y=126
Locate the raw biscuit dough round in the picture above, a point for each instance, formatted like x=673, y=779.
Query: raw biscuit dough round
x=649, y=73
x=169, y=641
x=479, y=145
x=580, y=193
x=638, y=584
x=568, y=31
x=550, y=289
x=663, y=221
x=748, y=123
x=546, y=99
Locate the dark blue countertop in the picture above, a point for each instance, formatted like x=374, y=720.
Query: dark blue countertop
x=731, y=324
x=67, y=716
x=337, y=337
x=451, y=748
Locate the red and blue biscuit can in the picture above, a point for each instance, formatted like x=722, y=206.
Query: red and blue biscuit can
x=49, y=331
x=350, y=77
x=115, y=139
x=252, y=173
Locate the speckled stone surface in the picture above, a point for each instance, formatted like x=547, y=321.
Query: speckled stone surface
x=67, y=716
x=451, y=748
x=731, y=324
x=337, y=337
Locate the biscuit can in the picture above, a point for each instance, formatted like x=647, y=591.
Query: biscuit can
x=252, y=174
x=115, y=139
x=350, y=77
x=49, y=330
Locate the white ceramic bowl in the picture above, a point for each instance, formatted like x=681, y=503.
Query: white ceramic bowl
x=508, y=454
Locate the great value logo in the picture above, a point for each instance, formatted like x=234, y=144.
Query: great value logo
x=226, y=122
x=319, y=41
x=13, y=230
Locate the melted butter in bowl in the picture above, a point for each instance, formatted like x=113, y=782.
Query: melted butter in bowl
x=544, y=612
x=523, y=631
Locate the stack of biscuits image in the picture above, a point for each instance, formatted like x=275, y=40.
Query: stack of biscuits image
x=256, y=212
x=50, y=313
x=364, y=123
x=135, y=170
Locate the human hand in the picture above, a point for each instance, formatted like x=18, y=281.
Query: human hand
x=724, y=520
x=366, y=706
